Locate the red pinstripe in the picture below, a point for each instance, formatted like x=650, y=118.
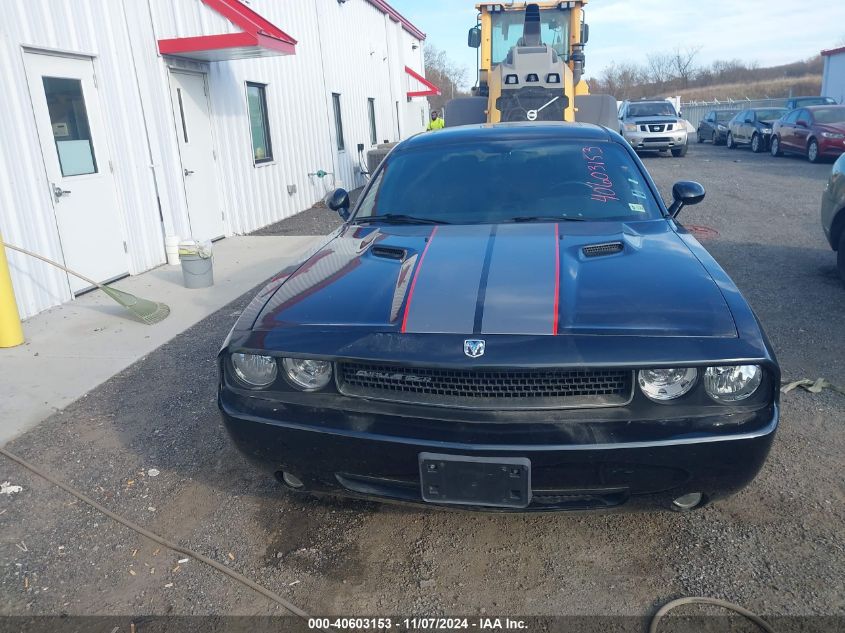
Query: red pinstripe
x=414, y=281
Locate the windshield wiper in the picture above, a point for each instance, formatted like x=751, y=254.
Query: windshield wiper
x=546, y=218
x=397, y=218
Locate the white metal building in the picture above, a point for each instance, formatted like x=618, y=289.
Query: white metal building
x=124, y=121
x=833, y=77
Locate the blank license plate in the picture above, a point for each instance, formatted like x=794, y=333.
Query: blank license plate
x=501, y=482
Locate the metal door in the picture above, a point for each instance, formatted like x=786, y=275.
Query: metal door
x=78, y=166
x=196, y=148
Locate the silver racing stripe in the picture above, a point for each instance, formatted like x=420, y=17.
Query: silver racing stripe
x=446, y=289
x=521, y=284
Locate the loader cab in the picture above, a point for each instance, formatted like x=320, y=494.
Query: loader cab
x=500, y=28
x=506, y=29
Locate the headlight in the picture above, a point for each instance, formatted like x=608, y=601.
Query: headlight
x=733, y=382
x=721, y=127
x=307, y=374
x=833, y=135
x=253, y=370
x=631, y=127
x=666, y=384
x=767, y=130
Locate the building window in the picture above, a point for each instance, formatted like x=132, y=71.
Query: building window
x=338, y=121
x=371, y=110
x=71, y=132
x=262, y=148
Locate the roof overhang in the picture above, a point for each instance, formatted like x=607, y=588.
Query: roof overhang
x=394, y=15
x=833, y=51
x=258, y=37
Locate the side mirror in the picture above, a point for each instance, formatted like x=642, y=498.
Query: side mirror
x=338, y=200
x=585, y=33
x=474, y=37
x=685, y=192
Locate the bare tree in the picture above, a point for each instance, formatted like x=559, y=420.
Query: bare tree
x=623, y=81
x=683, y=62
x=660, y=68
x=449, y=77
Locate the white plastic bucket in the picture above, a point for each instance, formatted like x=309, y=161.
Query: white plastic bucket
x=197, y=264
x=171, y=248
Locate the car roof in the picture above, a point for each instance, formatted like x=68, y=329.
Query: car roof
x=828, y=106
x=469, y=134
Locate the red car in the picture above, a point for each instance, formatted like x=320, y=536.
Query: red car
x=815, y=131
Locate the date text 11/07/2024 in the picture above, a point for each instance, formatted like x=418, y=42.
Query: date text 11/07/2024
x=418, y=624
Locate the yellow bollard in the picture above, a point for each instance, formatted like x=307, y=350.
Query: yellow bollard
x=11, y=332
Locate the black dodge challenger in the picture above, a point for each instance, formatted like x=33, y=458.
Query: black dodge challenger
x=510, y=318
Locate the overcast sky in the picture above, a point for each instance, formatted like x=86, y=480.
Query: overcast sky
x=769, y=31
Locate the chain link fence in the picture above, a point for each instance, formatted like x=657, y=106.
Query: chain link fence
x=694, y=111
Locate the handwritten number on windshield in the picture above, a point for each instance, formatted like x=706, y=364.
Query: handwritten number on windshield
x=599, y=180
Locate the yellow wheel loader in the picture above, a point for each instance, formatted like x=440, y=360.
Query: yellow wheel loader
x=530, y=67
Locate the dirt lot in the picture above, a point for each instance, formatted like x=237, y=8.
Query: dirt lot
x=778, y=547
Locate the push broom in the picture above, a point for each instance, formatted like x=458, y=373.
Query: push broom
x=150, y=312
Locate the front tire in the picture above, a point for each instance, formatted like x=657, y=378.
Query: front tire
x=700, y=138
x=730, y=142
x=775, y=148
x=680, y=152
x=756, y=143
x=813, y=154
x=715, y=137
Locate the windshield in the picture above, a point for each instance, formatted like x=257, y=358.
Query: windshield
x=507, y=31
x=769, y=115
x=829, y=115
x=725, y=116
x=655, y=108
x=515, y=180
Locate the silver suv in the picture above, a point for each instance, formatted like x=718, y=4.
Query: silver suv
x=653, y=125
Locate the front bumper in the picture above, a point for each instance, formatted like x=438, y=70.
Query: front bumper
x=371, y=452
x=656, y=141
x=831, y=147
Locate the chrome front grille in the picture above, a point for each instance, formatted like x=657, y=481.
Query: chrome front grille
x=483, y=389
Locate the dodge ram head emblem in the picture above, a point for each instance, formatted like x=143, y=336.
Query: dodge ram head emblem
x=474, y=348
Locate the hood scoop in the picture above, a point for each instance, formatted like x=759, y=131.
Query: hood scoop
x=603, y=249
x=389, y=252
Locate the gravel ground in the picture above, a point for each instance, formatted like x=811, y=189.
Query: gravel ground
x=318, y=220
x=777, y=547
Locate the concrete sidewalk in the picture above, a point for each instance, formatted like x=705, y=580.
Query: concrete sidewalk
x=72, y=348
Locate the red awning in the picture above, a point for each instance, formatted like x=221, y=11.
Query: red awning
x=430, y=91
x=258, y=37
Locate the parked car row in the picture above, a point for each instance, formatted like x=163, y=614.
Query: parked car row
x=811, y=126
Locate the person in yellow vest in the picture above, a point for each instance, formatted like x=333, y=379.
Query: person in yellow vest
x=436, y=123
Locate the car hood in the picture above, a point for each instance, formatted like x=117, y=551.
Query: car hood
x=635, y=278
x=837, y=128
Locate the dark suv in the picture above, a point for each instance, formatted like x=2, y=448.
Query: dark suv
x=803, y=102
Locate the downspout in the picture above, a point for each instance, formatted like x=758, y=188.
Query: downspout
x=144, y=117
x=325, y=90
x=393, y=99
